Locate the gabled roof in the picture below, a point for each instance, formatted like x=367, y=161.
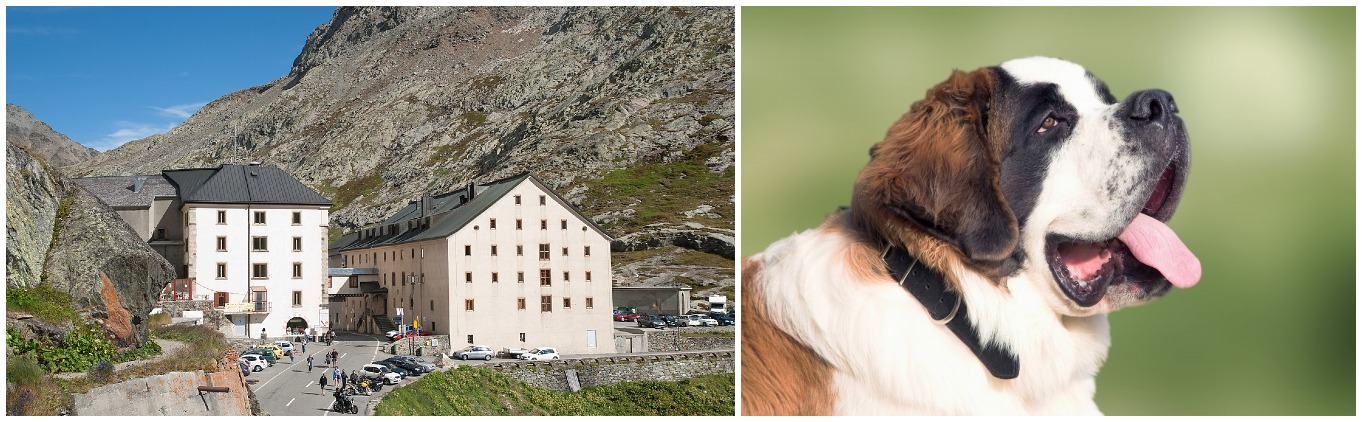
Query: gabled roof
x=236, y=184
x=121, y=191
x=449, y=213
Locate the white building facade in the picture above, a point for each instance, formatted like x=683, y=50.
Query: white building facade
x=508, y=264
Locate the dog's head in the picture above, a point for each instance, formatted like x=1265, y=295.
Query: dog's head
x=1033, y=168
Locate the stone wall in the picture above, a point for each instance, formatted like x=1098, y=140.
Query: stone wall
x=421, y=346
x=612, y=370
x=173, y=394
x=675, y=341
x=211, y=316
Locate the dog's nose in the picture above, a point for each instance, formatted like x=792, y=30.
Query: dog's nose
x=1153, y=105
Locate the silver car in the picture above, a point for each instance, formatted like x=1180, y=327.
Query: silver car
x=474, y=352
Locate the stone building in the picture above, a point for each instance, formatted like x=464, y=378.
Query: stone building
x=508, y=264
x=250, y=239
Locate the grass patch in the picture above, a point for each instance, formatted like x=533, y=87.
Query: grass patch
x=663, y=191
x=43, y=301
x=469, y=390
x=357, y=188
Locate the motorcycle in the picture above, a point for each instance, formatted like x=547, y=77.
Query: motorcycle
x=343, y=404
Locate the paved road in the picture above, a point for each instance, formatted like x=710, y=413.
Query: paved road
x=290, y=390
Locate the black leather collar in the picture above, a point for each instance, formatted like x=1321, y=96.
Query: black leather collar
x=947, y=308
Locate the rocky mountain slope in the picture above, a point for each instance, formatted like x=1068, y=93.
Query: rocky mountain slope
x=627, y=112
x=62, y=237
x=55, y=148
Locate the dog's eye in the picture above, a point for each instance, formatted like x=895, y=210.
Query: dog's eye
x=1048, y=123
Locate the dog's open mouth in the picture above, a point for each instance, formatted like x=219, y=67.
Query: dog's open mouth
x=1147, y=253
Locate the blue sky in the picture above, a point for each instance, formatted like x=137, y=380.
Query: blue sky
x=108, y=75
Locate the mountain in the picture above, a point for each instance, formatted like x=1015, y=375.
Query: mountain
x=35, y=136
x=628, y=112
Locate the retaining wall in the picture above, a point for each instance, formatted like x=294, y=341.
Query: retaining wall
x=173, y=394
x=617, y=369
x=674, y=341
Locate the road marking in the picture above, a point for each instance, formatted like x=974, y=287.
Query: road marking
x=343, y=355
x=276, y=376
x=290, y=402
x=329, y=406
x=309, y=384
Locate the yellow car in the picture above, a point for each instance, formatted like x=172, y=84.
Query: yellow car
x=278, y=352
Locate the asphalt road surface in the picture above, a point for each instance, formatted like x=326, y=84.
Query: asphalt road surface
x=288, y=389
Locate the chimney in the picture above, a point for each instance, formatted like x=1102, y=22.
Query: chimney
x=137, y=183
x=471, y=190
x=426, y=205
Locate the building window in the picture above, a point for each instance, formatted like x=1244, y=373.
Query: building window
x=259, y=217
x=354, y=282
x=222, y=244
x=588, y=302
x=222, y=270
x=565, y=249
x=565, y=277
x=543, y=200
x=297, y=270
x=160, y=233
x=546, y=304
x=543, y=224
x=517, y=199
x=494, y=277
x=564, y=224
x=260, y=270
x=588, y=276
x=468, y=277
x=519, y=250
x=260, y=243
x=432, y=305
x=467, y=250
x=520, y=277
x=494, y=250
x=297, y=298
x=470, y=339
x=543, y=252
x=545, y=278
x=586, y=251
x=517, y=224
x=261, y=300
x=297, y=244
x=404, y=278
x=567, y=303
x=522, y=337
x=297, y=218
x=520, y=304
x=186, y=219
x=222, y=217
x=468, y=305
x=219, y=299
x=492, y=223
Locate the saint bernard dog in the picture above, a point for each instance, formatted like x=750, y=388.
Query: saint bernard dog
x=993, y=229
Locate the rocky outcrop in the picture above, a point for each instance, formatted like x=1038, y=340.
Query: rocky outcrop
x=39, y=138
x=62, y=236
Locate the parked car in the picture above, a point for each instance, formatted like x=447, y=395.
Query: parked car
x=626, y=317
x=413, y=333
x=690, y=320
x=286, y=346
x=253, y=362
x=267, y=354
x=380, y=373
x=652, y=321
x=393, y=333
x=426, y=367
x=672, y=320
x=394, y=368
x=724, y=319
x=474, y=352
x=411, y=368
x=542, y=353
x=278, y=351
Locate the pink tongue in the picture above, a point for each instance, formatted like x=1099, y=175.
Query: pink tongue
x=1084, y=260
x=1154, y=244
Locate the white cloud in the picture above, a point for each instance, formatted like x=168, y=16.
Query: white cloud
x=130, y=131
x=182, y=111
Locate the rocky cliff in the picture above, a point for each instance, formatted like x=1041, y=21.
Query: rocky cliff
x=54, y=148
x=626, y=111
x=62, y=236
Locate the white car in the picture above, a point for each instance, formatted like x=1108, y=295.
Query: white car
x=287, y=346
x=380, y=372
x=254, y=363
x=542, y=353
x=696, y=320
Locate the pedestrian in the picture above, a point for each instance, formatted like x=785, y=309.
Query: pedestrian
x=309, y=364
x=290, y=357
x=335, y=375
x=305, y=347
x=334, y=357
x=322, y=382
x=327, y=358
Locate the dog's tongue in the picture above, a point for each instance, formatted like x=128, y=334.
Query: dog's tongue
x=1154, y=244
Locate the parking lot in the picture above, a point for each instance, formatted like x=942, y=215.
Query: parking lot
x=289, y=389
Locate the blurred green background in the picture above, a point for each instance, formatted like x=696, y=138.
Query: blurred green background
x=1268, y=95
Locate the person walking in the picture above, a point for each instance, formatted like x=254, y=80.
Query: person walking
x=322, y=382
x=309, y=364
x=290, y=357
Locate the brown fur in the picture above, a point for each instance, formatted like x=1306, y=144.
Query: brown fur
x=780, y=376
x=932, y=185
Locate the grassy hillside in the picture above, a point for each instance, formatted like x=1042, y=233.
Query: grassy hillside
x=468, y=390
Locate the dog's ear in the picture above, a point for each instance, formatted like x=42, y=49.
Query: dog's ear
x=937, y=171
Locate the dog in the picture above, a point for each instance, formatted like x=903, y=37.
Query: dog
x=996, y=225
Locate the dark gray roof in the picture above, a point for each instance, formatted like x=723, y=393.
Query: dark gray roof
x=449, y=213
x=117, y=191
x=230, y=183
